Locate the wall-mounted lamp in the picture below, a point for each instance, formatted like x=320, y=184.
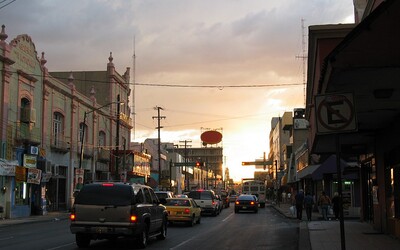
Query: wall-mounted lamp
x=3, y=189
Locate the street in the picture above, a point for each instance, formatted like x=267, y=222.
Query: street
x=246, y=230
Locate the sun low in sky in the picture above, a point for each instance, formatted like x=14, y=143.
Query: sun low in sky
x=213, y=64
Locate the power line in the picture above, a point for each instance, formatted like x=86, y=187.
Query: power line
x=220, y=86
x=6, y=3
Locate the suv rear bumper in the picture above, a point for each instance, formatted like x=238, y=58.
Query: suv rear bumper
x=103, y=230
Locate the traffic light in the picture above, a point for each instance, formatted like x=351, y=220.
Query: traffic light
x=199, y=164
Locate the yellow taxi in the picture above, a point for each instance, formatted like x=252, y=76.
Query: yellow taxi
x=183, y=210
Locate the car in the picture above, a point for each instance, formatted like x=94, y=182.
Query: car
x=110, y=210
x=183, y=210
x=164, y=194
x=220, y=202
x=246, y=202
x=232, y=198
x=206, y=200
x=225, y=200
x=181, y=196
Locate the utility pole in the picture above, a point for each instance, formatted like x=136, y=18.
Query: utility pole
x=159, y=117
x=186, y=160
x=117, y=139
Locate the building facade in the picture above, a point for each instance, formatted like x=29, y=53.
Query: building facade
x=54, y=132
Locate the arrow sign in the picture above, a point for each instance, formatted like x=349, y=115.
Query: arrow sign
x=182, y=164
x=256, y=163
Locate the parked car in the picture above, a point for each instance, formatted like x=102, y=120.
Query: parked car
x=183, y=210
x=232, y=198
x=246, y=202
x=164, y=194
x=206, y=200
x=110, y=210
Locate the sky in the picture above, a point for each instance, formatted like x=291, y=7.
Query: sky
x=229, y=65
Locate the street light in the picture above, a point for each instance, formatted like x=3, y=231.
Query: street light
x=84, y=126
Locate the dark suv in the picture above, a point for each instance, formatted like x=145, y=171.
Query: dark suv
x=110, y=210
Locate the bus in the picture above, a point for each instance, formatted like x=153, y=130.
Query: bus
x=255, y=187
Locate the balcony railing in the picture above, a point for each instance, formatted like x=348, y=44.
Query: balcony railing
x=27, y=133
x=125, y=119
x=58, y=143
x=103, y=155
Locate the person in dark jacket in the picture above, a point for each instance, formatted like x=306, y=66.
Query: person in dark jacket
x=308, y=205
x=335, y=204
x=299, y=198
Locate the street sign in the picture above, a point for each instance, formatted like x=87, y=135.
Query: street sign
x=182, y=164
x=256, y=163
x=335, y=113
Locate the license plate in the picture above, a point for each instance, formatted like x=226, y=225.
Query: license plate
x=244, y=207
x=100, y=230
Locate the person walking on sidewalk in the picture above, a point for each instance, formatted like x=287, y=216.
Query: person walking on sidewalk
x=308, y=205
x=299, y=198
x=335, y=204
x=324, y=201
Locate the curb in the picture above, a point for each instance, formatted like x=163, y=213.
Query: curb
x=304, y=234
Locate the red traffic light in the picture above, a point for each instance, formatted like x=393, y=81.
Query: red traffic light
x=199, y=164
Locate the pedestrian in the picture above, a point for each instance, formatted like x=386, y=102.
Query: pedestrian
x=335, y=204
x=308, y=205
x=299, y=199
x=324, y=201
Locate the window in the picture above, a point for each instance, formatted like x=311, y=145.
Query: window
x=147, y=195
x=57, y=128
x=82, y=127
x=102, y=139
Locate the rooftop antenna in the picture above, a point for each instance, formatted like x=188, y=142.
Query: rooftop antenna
x=134, y=89
x=303, y=56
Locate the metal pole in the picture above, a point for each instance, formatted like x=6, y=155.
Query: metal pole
x=339, y=177
x=117, y=139
x=82, y=139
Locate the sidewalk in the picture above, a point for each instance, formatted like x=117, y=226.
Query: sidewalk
x=325, y=235
x=51, y=216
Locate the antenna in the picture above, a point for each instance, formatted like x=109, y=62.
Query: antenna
x=303, y=56
x=134, y=89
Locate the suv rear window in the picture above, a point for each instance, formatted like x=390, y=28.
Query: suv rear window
x=97, y=194
x=200, y=195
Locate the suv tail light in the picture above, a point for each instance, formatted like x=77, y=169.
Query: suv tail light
x=133, y=218
x=72, y=216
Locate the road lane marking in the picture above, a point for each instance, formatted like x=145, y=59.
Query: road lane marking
x=62, y=246
x=183, y=243
x=228, y=217
x=8, y=238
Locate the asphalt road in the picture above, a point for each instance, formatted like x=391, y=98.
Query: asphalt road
x=265, y=230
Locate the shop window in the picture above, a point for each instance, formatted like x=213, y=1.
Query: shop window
x=21, y=194
x=395, y=184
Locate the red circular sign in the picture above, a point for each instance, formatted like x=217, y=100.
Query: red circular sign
x=211, y=137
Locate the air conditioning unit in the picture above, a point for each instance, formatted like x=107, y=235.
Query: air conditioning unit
x=34, y=150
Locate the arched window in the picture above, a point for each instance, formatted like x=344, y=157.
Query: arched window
x=102, y=139
x=58, y=130
x=83, y=127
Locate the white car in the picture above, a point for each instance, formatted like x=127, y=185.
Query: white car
x=206, y=200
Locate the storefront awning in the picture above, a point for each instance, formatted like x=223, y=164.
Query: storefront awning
x=307, y=171
x=317, y=172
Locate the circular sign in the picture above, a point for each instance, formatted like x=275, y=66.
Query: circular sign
x=335, y=113
x=211, y=137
